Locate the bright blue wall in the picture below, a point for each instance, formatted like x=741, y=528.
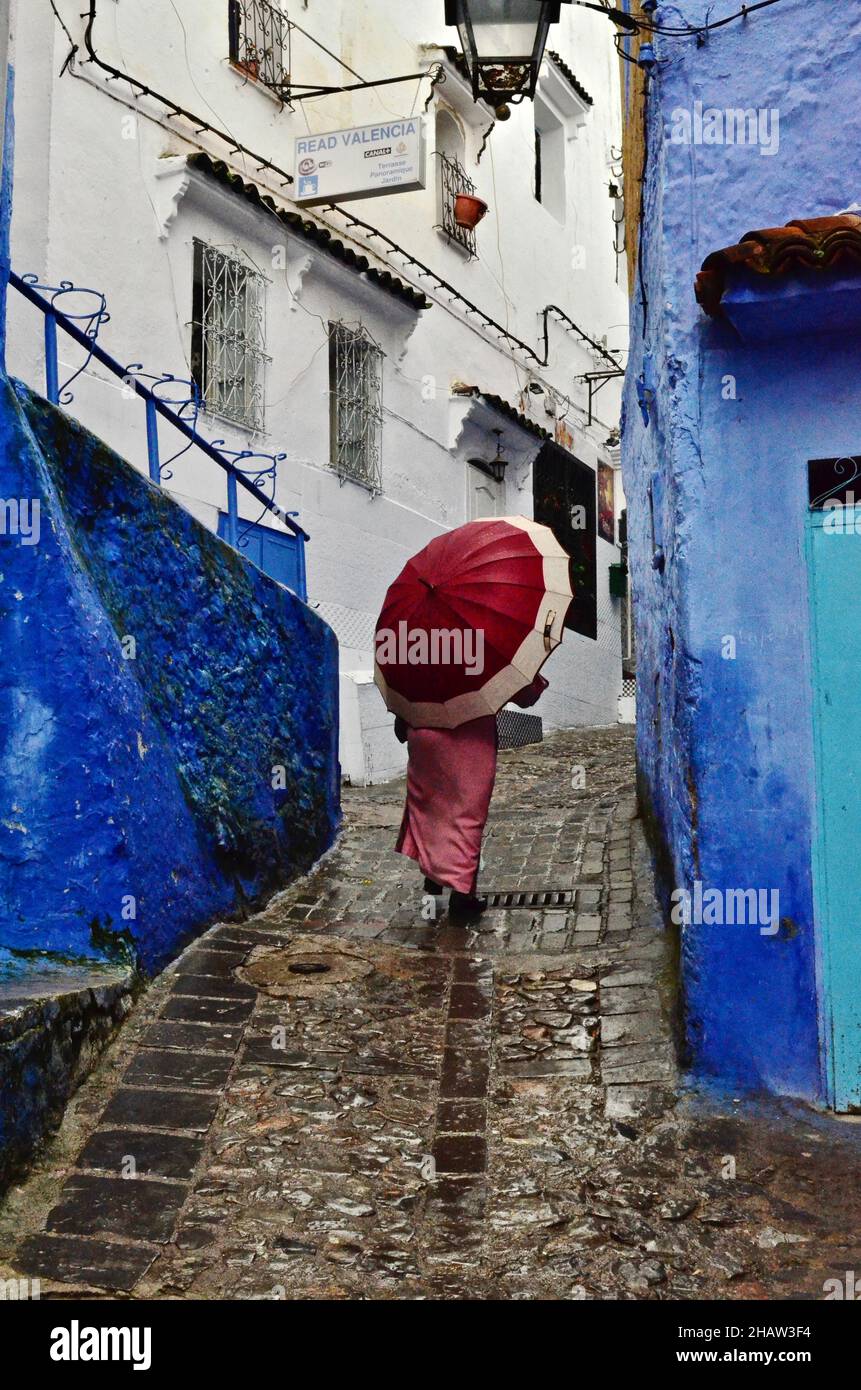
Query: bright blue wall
x=6, y=206
x=725, y=747
x=148, y=778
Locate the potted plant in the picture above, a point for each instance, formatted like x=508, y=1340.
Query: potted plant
x=468, y=210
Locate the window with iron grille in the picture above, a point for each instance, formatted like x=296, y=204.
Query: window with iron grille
x=453, y=179
x=228, y=336
x=627, y=620
x=356, y=405
x=260, y=42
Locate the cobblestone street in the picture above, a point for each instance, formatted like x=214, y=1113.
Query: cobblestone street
x=340, y=1099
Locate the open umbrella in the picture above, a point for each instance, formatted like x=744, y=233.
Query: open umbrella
x=470, y=620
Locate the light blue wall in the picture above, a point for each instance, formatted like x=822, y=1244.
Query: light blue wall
x=725, y=747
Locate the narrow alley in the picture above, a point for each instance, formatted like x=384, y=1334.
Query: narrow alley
x=338, y=1099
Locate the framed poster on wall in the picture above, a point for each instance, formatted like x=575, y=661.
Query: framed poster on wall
x=606, y=503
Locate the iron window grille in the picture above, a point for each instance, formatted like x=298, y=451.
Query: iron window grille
x=356, y=405
x=627, y=622
x=228, y=336
x=260, y=43
x=453, y=179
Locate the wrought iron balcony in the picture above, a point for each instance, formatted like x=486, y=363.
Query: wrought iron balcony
x=260, y=43
x=453, y=179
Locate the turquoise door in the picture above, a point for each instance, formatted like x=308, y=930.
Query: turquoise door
x=834, y=559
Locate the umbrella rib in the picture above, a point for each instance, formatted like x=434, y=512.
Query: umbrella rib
x=446, y=603
x=505, y=583
x=502, y=558
x=485, y=541
x=501, y=613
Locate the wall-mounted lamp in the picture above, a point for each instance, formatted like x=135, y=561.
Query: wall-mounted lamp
x=503, y=43
x=495, y=467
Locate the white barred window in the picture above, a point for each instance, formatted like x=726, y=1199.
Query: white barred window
x=228, y=335
x=356, y=405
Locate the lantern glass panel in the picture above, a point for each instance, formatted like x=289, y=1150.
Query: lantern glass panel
x=503, y=29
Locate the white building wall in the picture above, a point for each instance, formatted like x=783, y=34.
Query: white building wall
x=104, y=198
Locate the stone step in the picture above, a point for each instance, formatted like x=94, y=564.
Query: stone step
x=56, y=1016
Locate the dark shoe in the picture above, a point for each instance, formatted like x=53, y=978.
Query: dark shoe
x=465, y=907
x=431, y=886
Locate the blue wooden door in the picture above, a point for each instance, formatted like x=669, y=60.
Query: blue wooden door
x=834, y=559
x=277, y=554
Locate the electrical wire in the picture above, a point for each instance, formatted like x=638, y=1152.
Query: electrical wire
x=191, y=78
x=618, y=40
x=692, y=30
x=74, y=47
x=689, y=31
x=142, y=89
x=327, y=51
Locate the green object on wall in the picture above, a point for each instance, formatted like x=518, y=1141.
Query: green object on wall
x=618, y=581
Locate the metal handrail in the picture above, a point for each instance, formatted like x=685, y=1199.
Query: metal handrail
x=154, y=407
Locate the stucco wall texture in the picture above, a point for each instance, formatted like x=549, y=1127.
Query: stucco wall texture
x=725, y=747
x=168, y=714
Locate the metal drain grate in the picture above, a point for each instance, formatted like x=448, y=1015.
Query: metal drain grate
x=517, y=730
x=542, y=897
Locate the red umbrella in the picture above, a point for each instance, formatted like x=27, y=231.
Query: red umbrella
x=470, y=621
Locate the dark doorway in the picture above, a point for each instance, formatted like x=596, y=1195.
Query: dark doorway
x=564, y=500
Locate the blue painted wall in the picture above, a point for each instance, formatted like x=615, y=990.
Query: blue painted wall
x=725, y=748
x=145, y=785
x=6, y=205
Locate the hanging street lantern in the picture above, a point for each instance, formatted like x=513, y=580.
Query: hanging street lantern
x=495, y=467
x=503, y=43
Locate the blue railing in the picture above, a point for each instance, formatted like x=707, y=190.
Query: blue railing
x=181, y=414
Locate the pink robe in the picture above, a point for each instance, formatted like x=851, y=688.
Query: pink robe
x=450, y=780
x=449, y=785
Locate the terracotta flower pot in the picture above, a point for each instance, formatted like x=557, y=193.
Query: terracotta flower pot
x=468, y=210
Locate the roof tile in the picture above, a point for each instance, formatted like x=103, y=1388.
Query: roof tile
x=518, y=417
x=816, y=243
x=310, y=230
x=571, y=78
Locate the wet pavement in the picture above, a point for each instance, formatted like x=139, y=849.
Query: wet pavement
x=349, y=1097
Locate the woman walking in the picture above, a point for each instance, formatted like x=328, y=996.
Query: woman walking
x=465, y=628
x=450, y=779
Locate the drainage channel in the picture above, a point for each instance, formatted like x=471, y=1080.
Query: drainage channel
x=542, y=897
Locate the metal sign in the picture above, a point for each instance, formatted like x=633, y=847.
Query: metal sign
x=365, y=161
